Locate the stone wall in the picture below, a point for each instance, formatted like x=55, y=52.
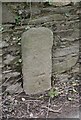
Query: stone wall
x=63, y=21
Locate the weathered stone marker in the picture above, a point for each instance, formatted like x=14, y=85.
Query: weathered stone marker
x=37, y=64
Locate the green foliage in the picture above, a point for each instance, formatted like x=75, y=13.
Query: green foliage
x=53, y=93
x=18, y=19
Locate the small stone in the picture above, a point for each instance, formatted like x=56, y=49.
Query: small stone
x=19, y=43
x=3, y=44
x=62, y=77
x=27, y=28
x=15, y=74
x=23, y=99
x=9, y=97
x=31, y=115
x=66, y=65
x=7, y=38
x=9, y=58
x=70, y=99
x=14, y=38
x=20, y=60
x=20, y=12
x=16, y=102
x=15, y=88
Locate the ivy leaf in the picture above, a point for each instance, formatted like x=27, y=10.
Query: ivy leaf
x=53, y=93
x=17, y=19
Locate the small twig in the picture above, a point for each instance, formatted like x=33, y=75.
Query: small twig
x=61, y=31
x=55, y=111
x=4, y=82
x=51, y=110
x=48, y=109
x=28, y=107
x=32, y=100
x=18, y=80
x=3, y=93
x=6, y=72
x=28, y=101
x=18, y=93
